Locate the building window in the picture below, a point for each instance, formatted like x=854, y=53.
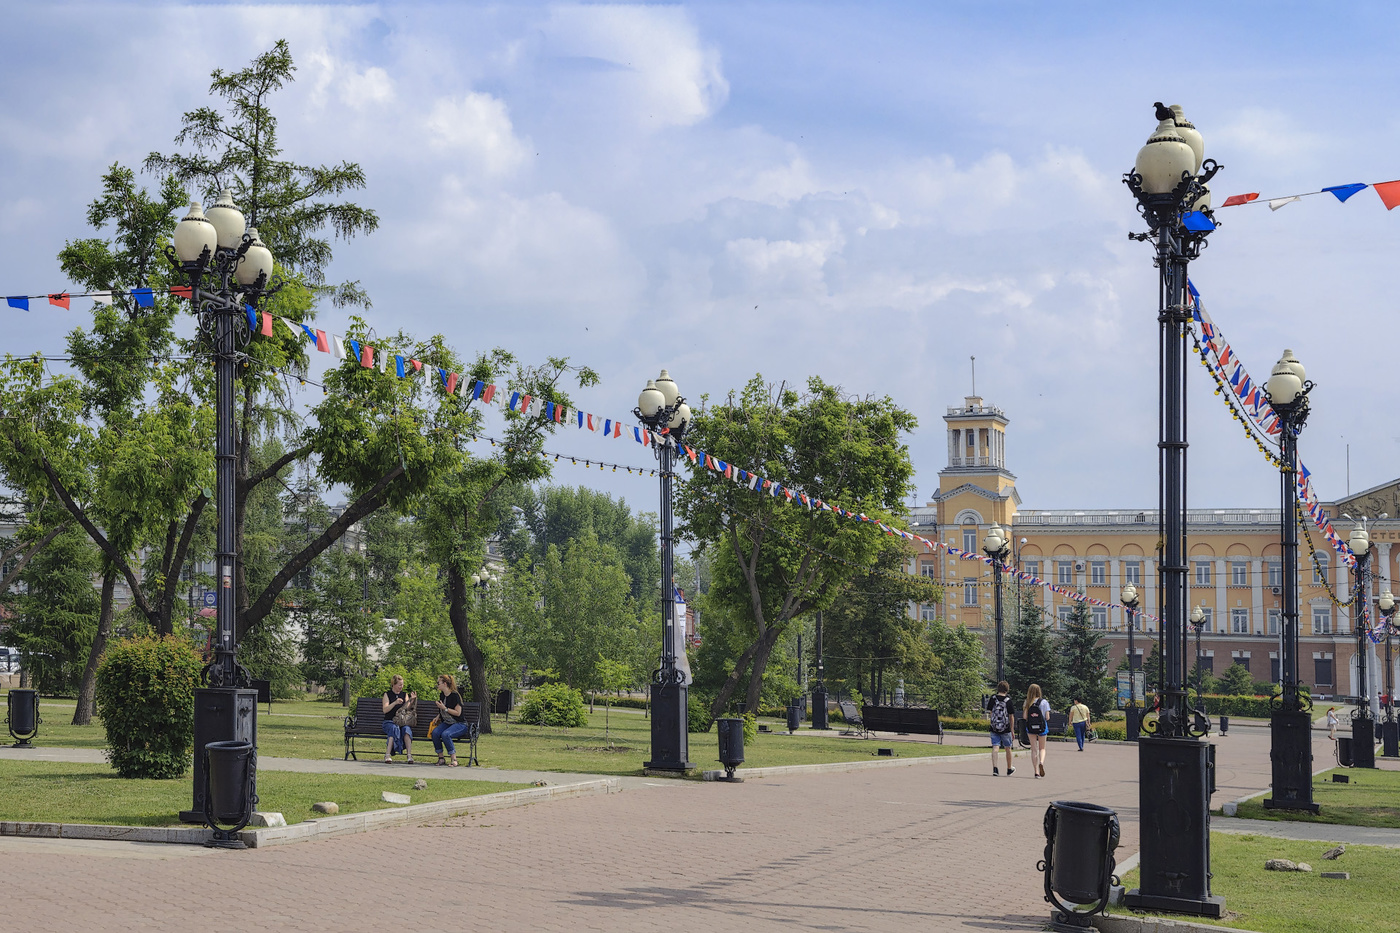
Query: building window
x=1065, y=569
x=1275, y=573
x=1135, y=660
x=1322, y=668
x=969, y=591
x=970, y=540
x=1275, y=621
x=1031, y=567
x=1239, y=573
x=1274, y=674
x=1207, y=663
x=1098, y=573
x=1064, y=614
x=1203, y=573
x=1099, y=616
x=1207, y=619
x=1239, y=621
x=1320, y=567
x=929, y=570
x=1132, y=572
x=1242, y=660
x=1322, y=622
x=928, y=612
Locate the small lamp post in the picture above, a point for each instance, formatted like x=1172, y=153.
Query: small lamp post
x=995, y=546
x=1363, y=722
x=663, y=410
x=1390, y=729
x=819, y=716
x=1198, y=622
x=1129, y=597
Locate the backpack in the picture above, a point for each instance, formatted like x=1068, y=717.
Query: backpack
x=1035, y=718
x=1000, y=715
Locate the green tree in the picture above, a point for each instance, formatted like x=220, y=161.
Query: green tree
x=1236, y=681
x=1084, y=661
x=787, y=559
x=420, y=632
x=340, y=627
x=55, y=618
x=1031, y=657
x=559, y=514
x=960, y=676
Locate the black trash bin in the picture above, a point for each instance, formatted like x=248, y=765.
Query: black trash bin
x=794, y=716
x=1344, y=756
x=229, y=771
x=731, y=745
x=1224, y=724
x=24, y=716
x=1080, y=839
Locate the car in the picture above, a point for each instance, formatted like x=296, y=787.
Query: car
x=9, y=660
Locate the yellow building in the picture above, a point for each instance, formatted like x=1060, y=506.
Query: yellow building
x=1234, y=559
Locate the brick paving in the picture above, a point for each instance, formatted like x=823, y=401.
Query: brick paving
x=940, y=847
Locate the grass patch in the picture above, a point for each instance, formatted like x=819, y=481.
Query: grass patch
x=1300, y=902
x=60, y=792
x=315, y=729
x=1372, y=798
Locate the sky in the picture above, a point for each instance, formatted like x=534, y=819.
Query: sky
x=869, y=192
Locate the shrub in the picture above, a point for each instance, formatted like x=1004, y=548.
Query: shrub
x=964, y=723
x=750, y=728
x=145, y=696
x=419, y=682
x=698, y=716
x=1111, y=731
x=553, y=705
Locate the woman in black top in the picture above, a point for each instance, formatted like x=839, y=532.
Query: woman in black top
x=397, y=738
x=450, y=725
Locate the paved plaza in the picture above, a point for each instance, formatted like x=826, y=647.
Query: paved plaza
x=938, y=846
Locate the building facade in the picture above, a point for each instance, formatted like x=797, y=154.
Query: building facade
x=1234, y=559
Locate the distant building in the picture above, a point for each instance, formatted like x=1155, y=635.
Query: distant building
x=1233, y=555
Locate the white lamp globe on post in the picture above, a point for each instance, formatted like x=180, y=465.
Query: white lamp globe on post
x=1164, y=159
x=255, y=269
x=1285, y=380
x=1189, y=135
x=228, y=220
x=668, y=388
x=195, y=238
x=1360, y=540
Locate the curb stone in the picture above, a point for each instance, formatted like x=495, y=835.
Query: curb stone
x=834, y=767
x=323, y=828
x=1120, y=923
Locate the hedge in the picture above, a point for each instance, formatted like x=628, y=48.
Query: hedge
x=145, y=696
x=553, y=705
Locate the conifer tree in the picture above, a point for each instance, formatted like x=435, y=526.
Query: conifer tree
x=1031, y=657
x=1084, y=657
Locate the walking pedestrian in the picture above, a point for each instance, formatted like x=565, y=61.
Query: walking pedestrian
x=1079, y=718
x=1037, y=713
x=999, y=716
x=1332, y=723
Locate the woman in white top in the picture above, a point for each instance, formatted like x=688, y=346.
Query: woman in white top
x=1037, y=713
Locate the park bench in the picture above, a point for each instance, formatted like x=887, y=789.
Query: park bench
x=366, y=722
x=853, y=719
x=902, y=719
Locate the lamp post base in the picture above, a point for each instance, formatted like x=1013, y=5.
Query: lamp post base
x=221, y=714
x=1174, y=782
x=670, y=738
x=819, y=717
x=1290, y=732
x=1363, y=743
x=1390, y=739
x=1133, y=723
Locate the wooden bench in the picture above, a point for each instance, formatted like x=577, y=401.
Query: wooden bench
x=367, y=722
x=902, y=719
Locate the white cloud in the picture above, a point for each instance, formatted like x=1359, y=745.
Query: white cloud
x=476, y=126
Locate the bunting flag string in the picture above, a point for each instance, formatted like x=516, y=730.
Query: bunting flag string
x=1388, y=191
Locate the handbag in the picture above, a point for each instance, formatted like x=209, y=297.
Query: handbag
x=437, y=721
x=407, y=714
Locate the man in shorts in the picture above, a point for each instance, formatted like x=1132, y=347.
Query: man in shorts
x=1002, y=727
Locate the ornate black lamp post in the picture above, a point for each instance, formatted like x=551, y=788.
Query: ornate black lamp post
x=995, y=546
x=662, y=409
x=1198, y=622
x=1363, y=721
x=229, y=269
x=1129, y=597
x=1290, y=719
x=1390, y=729
x=819, y=718
x=1169, y=181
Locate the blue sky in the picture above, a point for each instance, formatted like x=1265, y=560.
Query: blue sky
x=869, y=192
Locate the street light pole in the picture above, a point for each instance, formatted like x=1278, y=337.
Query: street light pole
x=819, y=718
x=1169, y=181
x=220, y=245
x=662, y=409
x=1390, y=729
x=1129, y=596
x=995, y=546
x=1363, y=721
x=1290, y=720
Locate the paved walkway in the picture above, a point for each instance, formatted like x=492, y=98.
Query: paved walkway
x=1310, y=832
x=936, y=848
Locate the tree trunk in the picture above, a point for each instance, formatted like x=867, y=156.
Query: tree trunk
x=457, y=610
x=87, y=690
x=731, y=683
x=763, y=648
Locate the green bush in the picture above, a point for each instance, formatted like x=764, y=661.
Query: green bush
x=145, y=696
x=965, y=723
x=750, y=728
x=553, y=705
x=1257, y=707
x=698, y=716
x=419, y=682
x=1111, y=731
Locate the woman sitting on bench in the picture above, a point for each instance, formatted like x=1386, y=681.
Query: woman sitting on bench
x=450, y=725
x=399, y=738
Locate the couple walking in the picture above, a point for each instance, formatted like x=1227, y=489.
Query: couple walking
x=400, y=712
x=1036, y=712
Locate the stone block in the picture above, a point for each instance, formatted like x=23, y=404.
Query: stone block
x=389, y=796
x=1339, y=875
x=328, y=807
x=268, y=819
x=1231, y=808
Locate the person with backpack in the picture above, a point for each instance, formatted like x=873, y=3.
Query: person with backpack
x=1037, y=713
x=999, y=716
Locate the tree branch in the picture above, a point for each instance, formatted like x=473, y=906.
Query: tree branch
x=177, y=560
x=33, y=549
x=274, y=468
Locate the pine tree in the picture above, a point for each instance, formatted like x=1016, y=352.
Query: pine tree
x=1031, y=656
x=1084, y=655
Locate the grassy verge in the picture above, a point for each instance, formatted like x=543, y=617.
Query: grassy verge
x=59, y=792
x=1371, y=798
x=1300, y=902
x=315, y=730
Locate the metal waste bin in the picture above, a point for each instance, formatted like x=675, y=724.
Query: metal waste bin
x=1224, y=724
x=1080, y=839
x=731, y=744
x=1344, y=756
x=230, y=771
x=23, y=716
x=794, y=715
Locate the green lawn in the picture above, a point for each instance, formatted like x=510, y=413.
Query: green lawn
x=1372, y=798
x=315, y=729
x=59, y=792
x=1299, y=902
